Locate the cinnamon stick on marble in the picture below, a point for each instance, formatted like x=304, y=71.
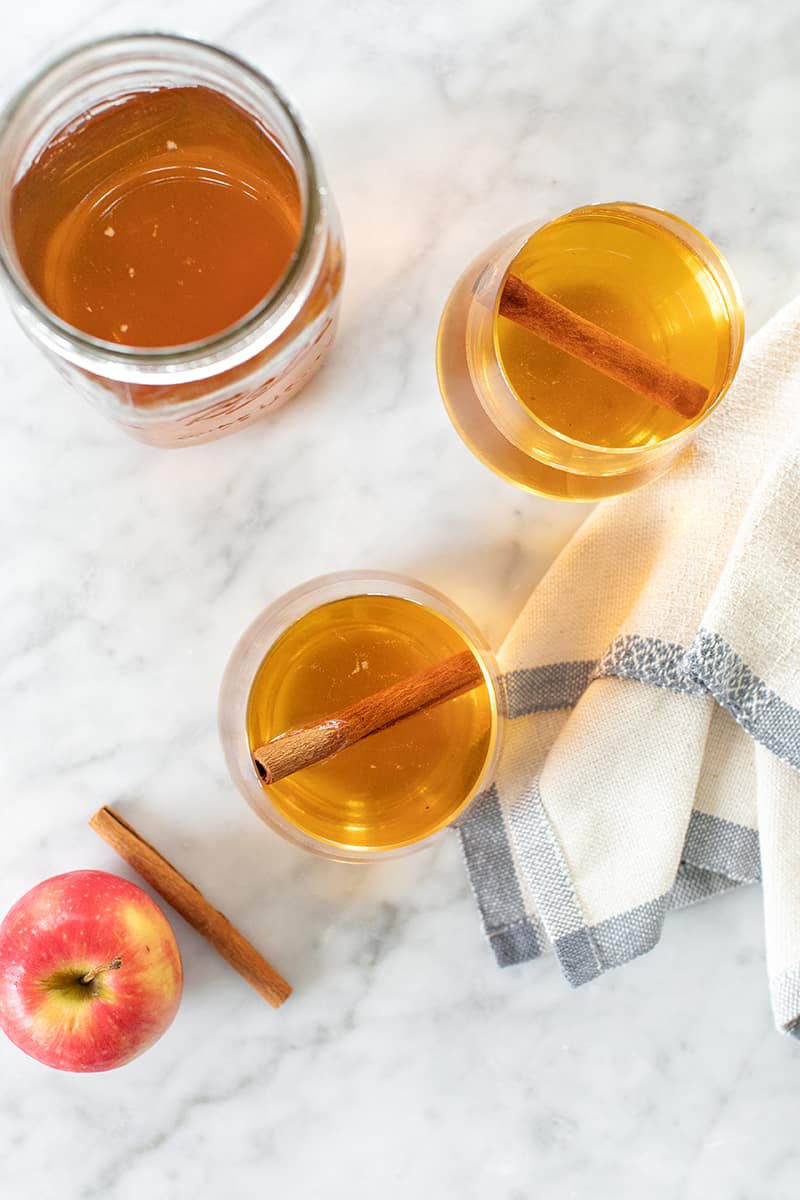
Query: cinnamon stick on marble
x=595, y=346
x=186, y=899
x=304, y=745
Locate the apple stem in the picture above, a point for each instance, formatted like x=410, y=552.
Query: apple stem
x=114, y=965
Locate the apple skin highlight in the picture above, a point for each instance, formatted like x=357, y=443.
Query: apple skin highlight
x=71, y=926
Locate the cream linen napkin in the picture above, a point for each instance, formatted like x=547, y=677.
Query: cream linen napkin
x=652, y=755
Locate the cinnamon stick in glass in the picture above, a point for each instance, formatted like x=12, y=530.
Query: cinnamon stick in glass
x=186, y=899
x=595, y=346
x=304, y=745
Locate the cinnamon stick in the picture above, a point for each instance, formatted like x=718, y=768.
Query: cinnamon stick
x=191, y=904
x=304, y=745
x=595, y=346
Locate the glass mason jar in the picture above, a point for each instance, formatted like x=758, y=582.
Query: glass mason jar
x=488, y=413
x=179, y=395
x=338, y=842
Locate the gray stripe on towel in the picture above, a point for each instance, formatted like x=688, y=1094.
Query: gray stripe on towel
x=723, y=847
x=759, y=710
x=592, y=950
x=648, y=660
x=610, y=943
x=516, y=943
x=512, y=932
x=545, y=689
x=597, y=948
x=718, y=855
x=541, y=864
x=693, y=884
x=561, y=685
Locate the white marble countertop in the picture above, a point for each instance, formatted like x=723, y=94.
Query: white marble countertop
x=406, y=1064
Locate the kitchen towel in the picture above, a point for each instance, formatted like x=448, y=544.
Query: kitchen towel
x=652, y=751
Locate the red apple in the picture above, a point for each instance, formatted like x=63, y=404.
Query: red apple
x=90, y=972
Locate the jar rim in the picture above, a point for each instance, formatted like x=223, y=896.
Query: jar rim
x=233, y=344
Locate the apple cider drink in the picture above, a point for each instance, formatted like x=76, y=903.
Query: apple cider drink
x=169, y=236
x=576, y=359
x=159, y=221
x=302, y=662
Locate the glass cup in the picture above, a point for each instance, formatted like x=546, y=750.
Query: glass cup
x=510, y=436
x=178, y=395
x=267, y=632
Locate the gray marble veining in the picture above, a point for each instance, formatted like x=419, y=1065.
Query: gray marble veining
x=406, y=1063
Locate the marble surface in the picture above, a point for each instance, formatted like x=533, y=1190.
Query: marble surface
x=406, y=1063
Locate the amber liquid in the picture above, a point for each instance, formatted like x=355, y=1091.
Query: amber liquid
x=556, y=425
x=637, y=280
x=158, y=221
x=397, y=786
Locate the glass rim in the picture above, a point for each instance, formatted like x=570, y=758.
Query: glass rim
x=716, y=263
x=204, y=352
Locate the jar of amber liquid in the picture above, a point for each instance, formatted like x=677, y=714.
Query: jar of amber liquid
x=167, y=235
x=553, y=422
x=335, y=641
